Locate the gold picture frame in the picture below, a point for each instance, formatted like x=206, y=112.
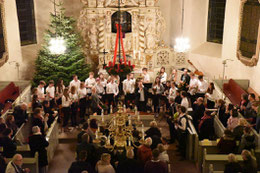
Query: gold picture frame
x=246, y=60
x=4, y=57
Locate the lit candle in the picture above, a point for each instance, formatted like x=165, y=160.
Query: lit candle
x=111, y=109
x=143, y=128
x=98, y=129
x=129, y=121
x=129, y=141
x=108, y=140
x=96, y=134
x=114, y=122
x=134, y=55
x=138, y=117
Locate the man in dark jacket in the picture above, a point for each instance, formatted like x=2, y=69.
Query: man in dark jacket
x=9, y=146
x=89, y=148
x=81, y=164
x=141, y=97
x=198, y=111
x=129, y=165
x=20, y=114
x=38, y=144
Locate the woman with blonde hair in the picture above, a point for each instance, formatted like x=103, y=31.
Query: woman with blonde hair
x=104, y=165
x=232, y=166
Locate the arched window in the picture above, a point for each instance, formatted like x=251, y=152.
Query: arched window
x=125, y=21
x=249, y=32
x=3, y=47
x=216, y=17
x=25, y=12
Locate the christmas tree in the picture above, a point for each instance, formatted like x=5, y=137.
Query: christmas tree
x=50, y=66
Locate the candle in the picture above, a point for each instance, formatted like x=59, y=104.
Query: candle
x=102, y=118
x=138, y=117
x=114, y=122
x=143, y=128
x=134, y=55
x=129, y=121
x=129, y=141
x=98, y=129
x=139, y=56
x=96, y=134
x=108, y=140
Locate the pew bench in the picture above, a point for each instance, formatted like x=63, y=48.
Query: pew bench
x=29, y=162
x=233, y=91
x=217, y=160
x=10, y=92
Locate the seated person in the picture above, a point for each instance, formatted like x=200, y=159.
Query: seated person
x=232, y=166
x=81, y=165
x=249, y=162
x=233, y=120
x=239, y=130
x=83, y=131
x=20, y=114
x=248, y=140
x=129, y=165
x=15, y=165
x=9, y=146
x=227, y=143
x=155, y=133
x=104, y=165
x=155, y=165
x=163, y=156
x=2, y=129
x=10, y=123
x=144, y=152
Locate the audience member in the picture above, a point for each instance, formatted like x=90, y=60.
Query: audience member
x=163, y=156
x=155, y=133
x=248, y=140
x=38, y=143
x=198, y=111
x=10, y=123
x=9, y=146
x=144, y=152
x=20, y=114
x=206, y=126
x=82, y=132
x=239, y=130
x=233, y=120
x=232, y=166
x=155, y=165
x=81, y=165
x=249, y=164
x=129, y=165
x=104, y=165
x=2, y=164
x=227, y=143
x=15, y=165
x=40, y=120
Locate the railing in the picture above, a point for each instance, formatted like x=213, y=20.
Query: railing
x=52, y=136
x=192, y=142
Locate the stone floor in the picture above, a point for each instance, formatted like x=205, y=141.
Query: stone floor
x=65, y=154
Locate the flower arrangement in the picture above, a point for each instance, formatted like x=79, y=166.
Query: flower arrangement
x=120, y=69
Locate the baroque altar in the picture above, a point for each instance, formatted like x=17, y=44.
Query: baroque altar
x=142, y=29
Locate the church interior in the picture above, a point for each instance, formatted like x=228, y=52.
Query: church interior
x=129, y=86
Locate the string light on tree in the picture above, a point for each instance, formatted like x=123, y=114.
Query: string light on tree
x=57, y=45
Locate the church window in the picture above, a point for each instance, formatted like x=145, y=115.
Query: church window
x=216, y=17
x=25, y=12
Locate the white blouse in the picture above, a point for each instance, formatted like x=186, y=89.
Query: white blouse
x=65, y=103
x=82, y=92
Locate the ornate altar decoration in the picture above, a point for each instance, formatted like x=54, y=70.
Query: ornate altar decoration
x=120, y=129
x=142, y=28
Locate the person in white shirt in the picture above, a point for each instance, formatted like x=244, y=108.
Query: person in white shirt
x=129, y=89
x=74, y=106
x=184, y=100
x=172, y=92
x=211, y=96
x=146, y=76
x=15, y=165
x=75, y=82
x=164, y=157
x=174, y=75
x=202, y=87
x=90, y=82
x=100, y=90
x=59, y=91
x=66, y=102
x=193, y=85
x=103, y=165
x=50, y=92
x=103, y=81
x=40, y=91
x=82, y=93
x=132, y=77
x=163, y=75
x=158, y=90
x=112, y=92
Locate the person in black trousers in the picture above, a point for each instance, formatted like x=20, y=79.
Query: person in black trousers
x=66, y=102
x=38, y=143
x=157, y=94
x=9, y=146
x=141, y=97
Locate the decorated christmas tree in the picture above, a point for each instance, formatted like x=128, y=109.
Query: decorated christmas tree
x=52, y=64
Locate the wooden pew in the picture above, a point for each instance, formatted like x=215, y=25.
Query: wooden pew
x=217, y=160
x=233, y=91
x=192, y=143
x=52, y=136
x=29, y=162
